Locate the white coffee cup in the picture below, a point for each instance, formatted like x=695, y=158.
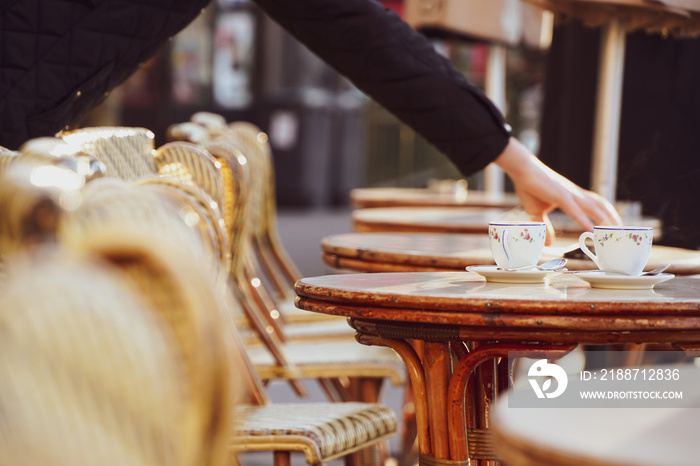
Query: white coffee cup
x=516, y=244
x=625, y=249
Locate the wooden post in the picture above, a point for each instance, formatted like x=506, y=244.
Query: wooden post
x=606, y=130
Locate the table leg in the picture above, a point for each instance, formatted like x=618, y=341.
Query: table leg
x=441, y=407
x=459, y=405
x=417, y=377
x=437, y=363
x=480, y=445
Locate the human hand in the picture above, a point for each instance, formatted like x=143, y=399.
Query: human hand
x=541, y=190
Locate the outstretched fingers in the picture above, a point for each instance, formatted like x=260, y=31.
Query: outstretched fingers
x=598, y=209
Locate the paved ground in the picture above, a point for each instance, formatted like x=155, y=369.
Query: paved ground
x=302, y=231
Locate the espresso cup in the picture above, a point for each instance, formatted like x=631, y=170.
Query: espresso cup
x=516, y=244
x=625, y=249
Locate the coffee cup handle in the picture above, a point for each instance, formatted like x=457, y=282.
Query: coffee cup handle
x=582, y=244
x=505, y=237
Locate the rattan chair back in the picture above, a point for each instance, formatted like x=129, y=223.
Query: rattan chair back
x=32, y=201
x=273, y=257
x=56, y=151
x=146, y=239
x=235, y=174
x=86, y=371
x=7, y=156
x=189, y=132
x=111, y=206
x=213, y=122
x=198, y=211
x=127, y=153
x=195, y=165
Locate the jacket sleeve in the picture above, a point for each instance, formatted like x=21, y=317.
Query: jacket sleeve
x=399, y=68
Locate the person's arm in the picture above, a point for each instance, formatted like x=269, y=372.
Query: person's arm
x=541, y=190
x=399, y=68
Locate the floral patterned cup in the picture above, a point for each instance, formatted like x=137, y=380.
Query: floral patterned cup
x=625, y=249
x=516, y=244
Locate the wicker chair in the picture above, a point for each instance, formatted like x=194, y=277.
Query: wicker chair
x=199, y=211
x=127, y=153
x=56, y=151
x=330, y=362
x=35, y=190
x=142, y=234
x=278, y=267
x=87, y=374
x=267, y=260
x=112, y=206
x=199, y=309
x=32, y=200
x=271, y=260
x=189, y=132
x=217, y=176
x=7, y=156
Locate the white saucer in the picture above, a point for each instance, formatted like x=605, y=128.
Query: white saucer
x=623, y=282
x=494, y=274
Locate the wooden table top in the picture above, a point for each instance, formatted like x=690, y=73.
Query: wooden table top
x=463, y=220
x=675, y=17
x=565, y=310
x=394, y=252
x=425, y=197
x=426, y=219
x=601, y=436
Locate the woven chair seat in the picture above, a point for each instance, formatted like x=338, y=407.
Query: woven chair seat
x=334, y=359
x=323, y=330
x=320, y=330
x=323, y=431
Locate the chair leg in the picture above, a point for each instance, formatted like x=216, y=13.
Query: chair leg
x=369, y=391
x=282, y=458
x=370, y=456
x=352, y=459
x=408, y=446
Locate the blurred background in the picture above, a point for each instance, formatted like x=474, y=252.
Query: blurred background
x=327, y=137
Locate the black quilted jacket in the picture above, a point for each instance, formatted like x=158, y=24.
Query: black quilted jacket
x=58, y=58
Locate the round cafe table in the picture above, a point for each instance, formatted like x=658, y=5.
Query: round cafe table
x=415, y=252
x=430, y=252
x=461, y=318
x=469, y=220
x=425, y=197
x=426, y=219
